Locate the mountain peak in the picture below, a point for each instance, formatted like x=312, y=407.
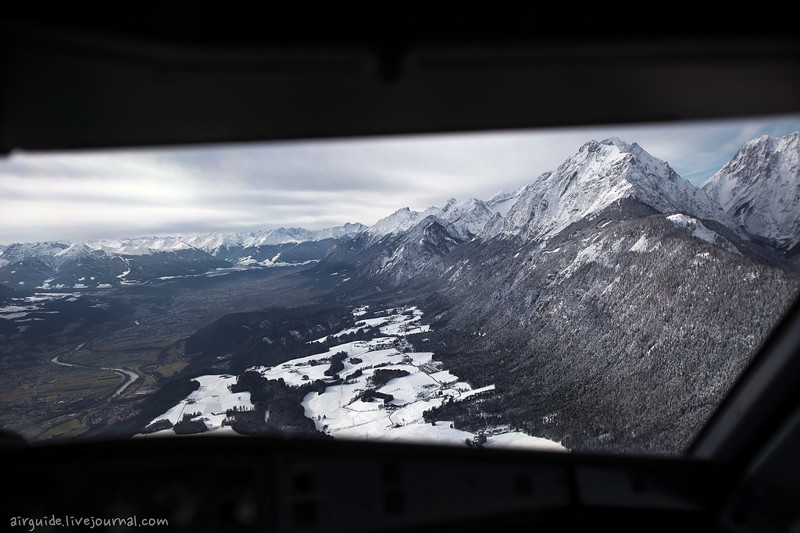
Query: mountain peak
x=501, y=202
x=770, y=141
x=597, y=175
x=465, y=219
x=428, y=240
x=452, y=202
x=400, y=220
x=615, y=142
x=74, y=250
x=760, y=189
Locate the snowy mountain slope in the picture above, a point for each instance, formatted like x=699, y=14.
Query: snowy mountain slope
x=272, y=247
x=698, y=230
x=406, y=242
x=25, y=265
x=296, y=235
x=217, y=244
x=140, y=245
x=396, y=257
x=598, y=175
x=465, y=218
x=81, y=266
x=493, y=227
x=336, y=232
x=397, y=222
x=760, y=189
x=503, y=201
x=18, y=251
x=415, y=250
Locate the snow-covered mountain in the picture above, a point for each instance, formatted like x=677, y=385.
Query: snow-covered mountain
x=397, y=222
x=296, y=235
x=139, y=245
x=504, y=200
x=336, y=232
x=598, y=175
x=221, y=243
x=273, y=247
x=397, y=256
x=760, y=189
x=24, y=265
x=465, y=219
x=608, y=178
x=19, y=251
x=106, y=263
x=413, y=251
x=406, y=243
x=217, y=243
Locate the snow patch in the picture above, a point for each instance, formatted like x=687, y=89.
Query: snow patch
x=640, y=245
x=701, y=232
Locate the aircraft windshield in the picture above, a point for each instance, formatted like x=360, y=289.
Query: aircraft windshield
x=595, y=289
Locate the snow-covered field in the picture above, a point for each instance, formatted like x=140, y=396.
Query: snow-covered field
x=342, y=412
x=212, y=400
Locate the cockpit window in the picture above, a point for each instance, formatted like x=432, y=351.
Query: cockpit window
x=592, y=290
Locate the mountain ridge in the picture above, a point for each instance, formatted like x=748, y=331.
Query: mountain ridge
x=110, y=262
x=598, y=176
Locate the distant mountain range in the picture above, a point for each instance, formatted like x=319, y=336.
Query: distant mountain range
x=108, y=263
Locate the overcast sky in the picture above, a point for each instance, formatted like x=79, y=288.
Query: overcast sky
x=117, y=194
